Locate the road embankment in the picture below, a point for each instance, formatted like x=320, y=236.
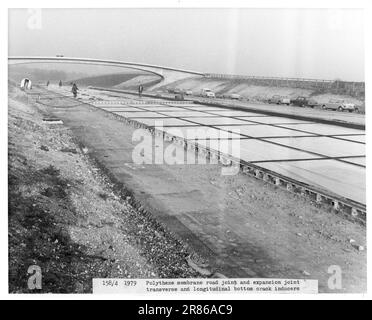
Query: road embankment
x=69, y=219
x=347, y=120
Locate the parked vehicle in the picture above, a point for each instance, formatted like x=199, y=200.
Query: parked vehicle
x=179, y=97
x=277, y=99
x=233, y=96
x=188, y=92
x=208, y=93
x=304, y=102
x=274, y=99
x=285, y=100
x=340, y=105
x=312, y=103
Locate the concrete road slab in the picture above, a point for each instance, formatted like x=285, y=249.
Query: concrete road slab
x=361, y=138
x=254, y=150
x=340, y=178
x=200, y=133
x=324, y=129
x=181, y=104
x=262, y=131
x=273, y=120
x=116, y=109
x=187, y=114
x=205, y=108
x=234, y=113
x=160, y=108
x=359, y=160
x=139, y=114
x=217, y=121
x=146, y=105
x=323, y=145
x=164, y=122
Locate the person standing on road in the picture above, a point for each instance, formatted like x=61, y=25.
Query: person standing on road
x=140, y=89
x=25, y=84
x=74, y=90
x=60, y=83
x=47, y=84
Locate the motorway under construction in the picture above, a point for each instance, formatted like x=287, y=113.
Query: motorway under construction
x=310, y=157
x=273, y=218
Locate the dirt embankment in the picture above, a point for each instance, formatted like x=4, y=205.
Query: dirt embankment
x=68, y=219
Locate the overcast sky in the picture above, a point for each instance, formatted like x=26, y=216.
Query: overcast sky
x=308, y=43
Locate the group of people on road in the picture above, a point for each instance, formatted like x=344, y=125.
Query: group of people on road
x=59, y=84
x=74, y=88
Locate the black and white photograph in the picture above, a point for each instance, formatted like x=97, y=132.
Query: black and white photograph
x=186, y=151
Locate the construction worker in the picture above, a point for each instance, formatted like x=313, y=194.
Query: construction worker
x=140, y=89
x=74, y=90
x=25, y=84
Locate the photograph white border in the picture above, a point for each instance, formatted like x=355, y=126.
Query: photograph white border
x=5, y=5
